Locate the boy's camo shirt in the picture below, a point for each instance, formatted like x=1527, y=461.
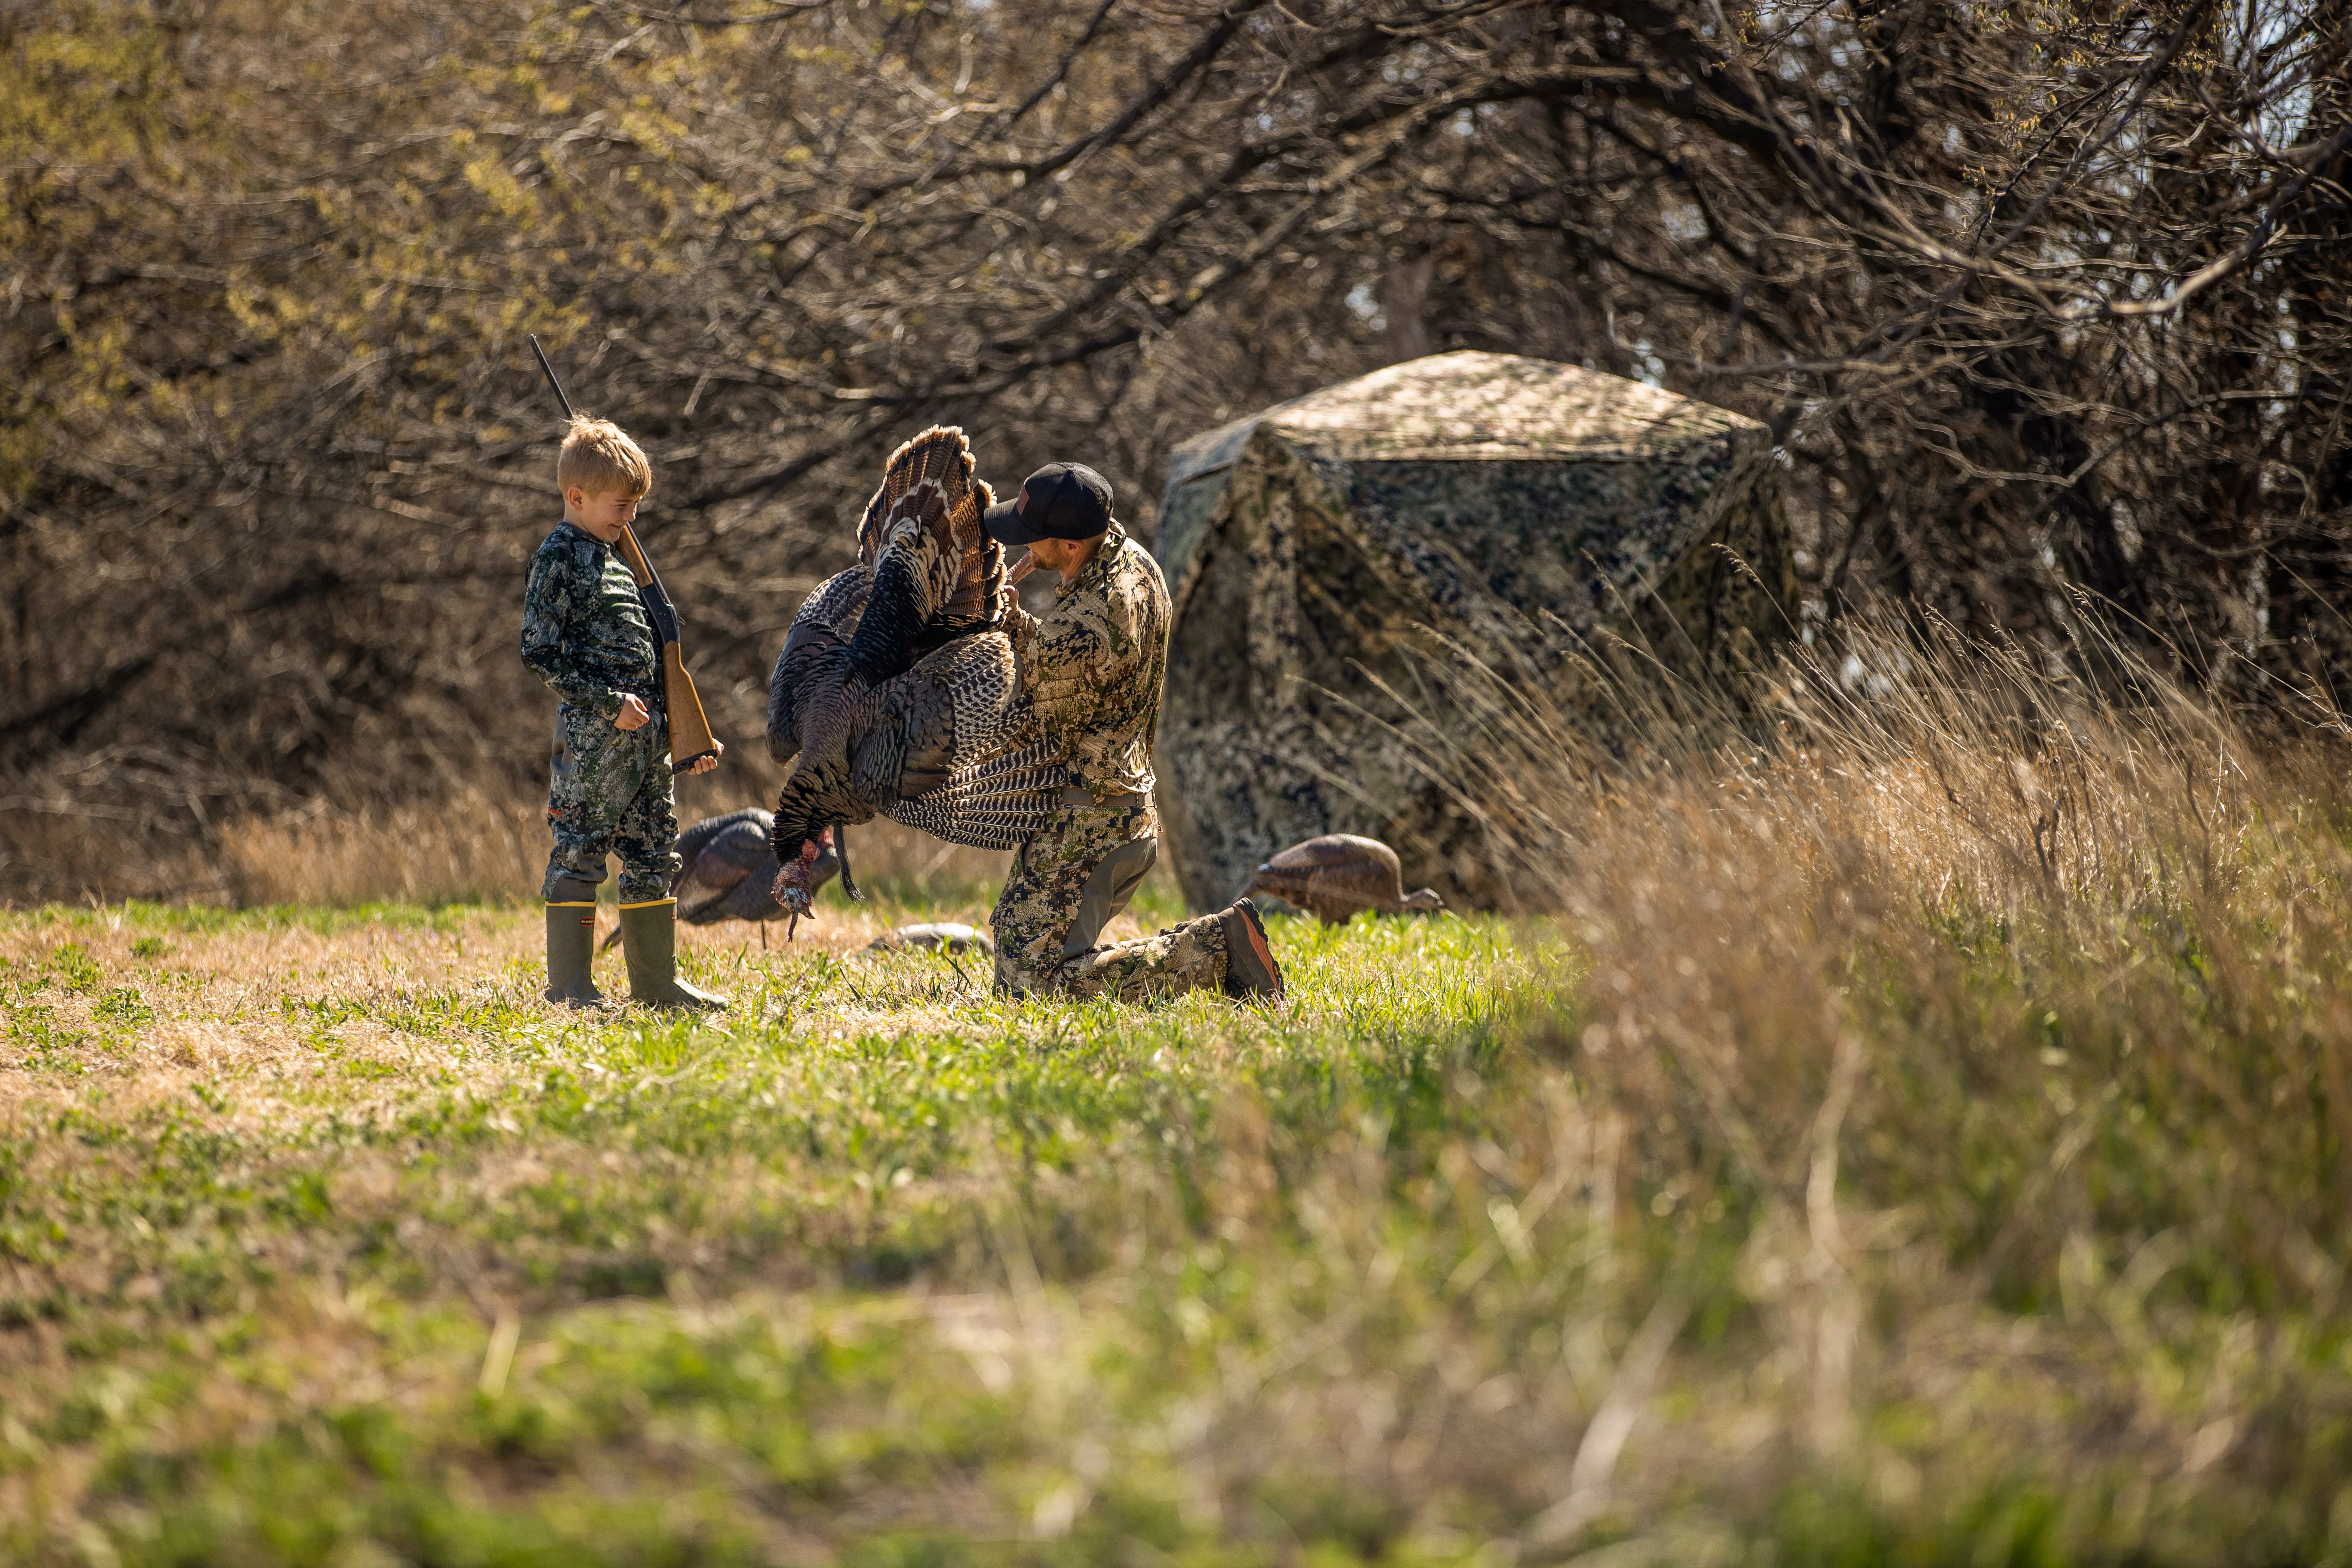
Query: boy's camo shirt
x=1091, y=666
x=585, y=631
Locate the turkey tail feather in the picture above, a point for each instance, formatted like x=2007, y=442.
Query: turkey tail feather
x=930, y=484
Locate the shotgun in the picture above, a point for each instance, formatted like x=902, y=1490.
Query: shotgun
x=690, y=738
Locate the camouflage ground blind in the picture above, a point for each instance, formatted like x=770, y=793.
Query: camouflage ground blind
x=1516, y=506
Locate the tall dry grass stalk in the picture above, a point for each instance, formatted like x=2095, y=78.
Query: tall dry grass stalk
x=476, y=845
x=1973, y=1025
x=481, y=848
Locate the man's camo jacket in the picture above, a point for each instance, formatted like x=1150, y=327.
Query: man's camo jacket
x=1091, y=666
x=584, y=630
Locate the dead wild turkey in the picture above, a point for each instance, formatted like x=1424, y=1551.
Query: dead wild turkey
x=895, y=688
x=1333, y=876
x=727, y=871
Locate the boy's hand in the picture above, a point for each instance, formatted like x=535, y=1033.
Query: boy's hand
x=718, y=749
x=632, y=714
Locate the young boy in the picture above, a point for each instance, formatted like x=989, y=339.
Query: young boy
x=586, y=633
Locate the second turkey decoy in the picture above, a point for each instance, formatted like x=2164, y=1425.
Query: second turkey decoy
x=934, y=936
x=1334, y=876
x=727, y=872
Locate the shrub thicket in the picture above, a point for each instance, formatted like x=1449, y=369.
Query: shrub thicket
x=2032, y=296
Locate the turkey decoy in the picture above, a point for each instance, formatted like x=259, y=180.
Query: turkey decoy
x=727, y=872
x=946, y=934
x=895, y=691
x=1333, y=876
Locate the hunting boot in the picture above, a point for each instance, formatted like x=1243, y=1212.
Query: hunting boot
x=571, y=941
x=1250, y=968
x=649, y=942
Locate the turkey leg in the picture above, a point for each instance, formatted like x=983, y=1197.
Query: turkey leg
x=841, y=859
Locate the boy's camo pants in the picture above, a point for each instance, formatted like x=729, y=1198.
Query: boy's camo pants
x=1067, y=884
x=610, y=793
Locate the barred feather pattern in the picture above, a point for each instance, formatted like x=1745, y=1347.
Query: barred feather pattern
x=836, y=602
x=999, y=803
x=929, y=507
x=979, y=678
x=815, y=656
x=932, y=742
x=819, y=790
x=955, y=710
x=994, y=793
x=894, y=616
x=941, y=741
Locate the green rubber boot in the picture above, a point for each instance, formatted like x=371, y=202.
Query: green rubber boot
x=649, y=941
x=570, y=945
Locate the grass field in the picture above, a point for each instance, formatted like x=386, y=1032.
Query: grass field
x=1902, y=1148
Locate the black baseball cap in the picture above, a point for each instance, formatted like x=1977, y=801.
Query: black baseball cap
x=1064, y=500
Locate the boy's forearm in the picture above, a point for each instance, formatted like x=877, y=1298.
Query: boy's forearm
x=603, y=701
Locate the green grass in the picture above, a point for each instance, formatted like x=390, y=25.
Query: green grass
x=322, y=1241
x=266, y=1293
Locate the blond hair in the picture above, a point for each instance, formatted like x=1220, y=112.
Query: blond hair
x=599, y=457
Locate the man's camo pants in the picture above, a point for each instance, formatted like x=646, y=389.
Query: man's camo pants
x=1067, y=884
x=610, y=793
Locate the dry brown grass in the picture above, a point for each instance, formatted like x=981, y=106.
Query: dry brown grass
x=220, y=995
x=478, y=848
x=1936, y=1150
x=241, y=998
x=470, y=848
x=2006, y=997
x=473, y=846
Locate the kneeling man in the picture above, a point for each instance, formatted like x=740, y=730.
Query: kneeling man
x=1090, y=671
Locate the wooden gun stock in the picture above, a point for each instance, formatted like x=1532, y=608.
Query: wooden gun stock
x=690, y=740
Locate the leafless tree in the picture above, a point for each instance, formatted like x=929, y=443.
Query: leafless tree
x=2040, y=300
